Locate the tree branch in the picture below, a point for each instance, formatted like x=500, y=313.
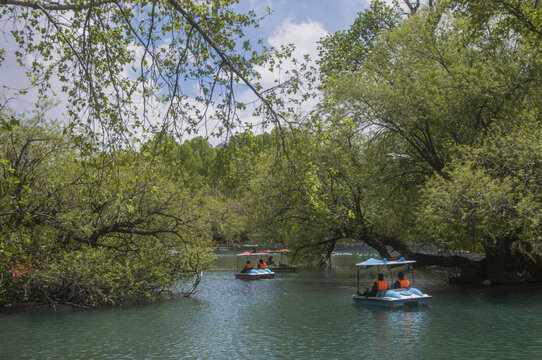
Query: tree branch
x=40, y=5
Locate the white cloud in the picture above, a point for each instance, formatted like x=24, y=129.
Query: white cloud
x=303, y=36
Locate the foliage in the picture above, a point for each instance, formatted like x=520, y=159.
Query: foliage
x=435, y=88
x=428, y=130
x=329, y=191
x=490, y=196
x=93, y=230
x=239, y=159
x=131, y=67
x=428, y=86
x=220, y=175
x=408, y=118
x=523, y=17
x=347, y=51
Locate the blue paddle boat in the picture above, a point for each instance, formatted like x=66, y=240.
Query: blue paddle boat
x=391, y=298
x=254, y=273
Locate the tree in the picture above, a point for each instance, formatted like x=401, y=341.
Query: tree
x=523, y=17
x=330, y=190
x=89, y=230
x=490, y=201
x=346, y=51
x=433, y=91
x=428, y=88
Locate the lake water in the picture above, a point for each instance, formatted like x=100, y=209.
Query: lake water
x=306, y=315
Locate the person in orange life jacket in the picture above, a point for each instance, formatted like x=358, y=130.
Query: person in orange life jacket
x=401, y=281
x=261, y=264
x=378, y=285
x=269, y=261
x=247, y=267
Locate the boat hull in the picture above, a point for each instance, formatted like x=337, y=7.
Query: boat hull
x=395, y=299
x=255, y=276
x=375, y=301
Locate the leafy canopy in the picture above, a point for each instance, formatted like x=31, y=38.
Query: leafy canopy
x=133, y=67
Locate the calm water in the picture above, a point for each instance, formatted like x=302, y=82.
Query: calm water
x=307, y=315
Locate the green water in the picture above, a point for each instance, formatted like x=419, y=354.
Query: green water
x=306, y=315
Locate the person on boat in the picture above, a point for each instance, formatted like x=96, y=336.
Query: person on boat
x=261, y=264
x=269, y=261
x=247, y=267
x=378, y=285
x=401, y=281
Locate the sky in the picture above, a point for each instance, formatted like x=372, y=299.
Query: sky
x=301, y=23
x=330, y=15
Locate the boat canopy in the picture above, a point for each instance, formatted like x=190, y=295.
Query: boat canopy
x=249, y=253
x=264, y=252
x=384, y=262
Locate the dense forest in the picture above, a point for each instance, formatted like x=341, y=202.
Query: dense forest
x=426, y=134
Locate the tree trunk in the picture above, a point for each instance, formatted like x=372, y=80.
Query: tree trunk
x=199, y=276
x=514, y=262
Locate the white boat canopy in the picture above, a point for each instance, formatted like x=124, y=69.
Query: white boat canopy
x=384, y=262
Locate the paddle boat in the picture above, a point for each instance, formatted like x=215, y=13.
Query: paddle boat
x=281, y=267
x=252, y=274
x=391, y=298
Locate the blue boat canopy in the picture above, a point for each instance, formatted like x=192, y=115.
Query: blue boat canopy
x=384, y=262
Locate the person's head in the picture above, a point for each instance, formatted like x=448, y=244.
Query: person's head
x=380, y=276
x=401, y=275
x=261, y=261
x=248, y=261
x=270, y=258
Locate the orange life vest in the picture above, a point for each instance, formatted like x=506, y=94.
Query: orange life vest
x=404, y=283
x=249, y=266
x=262, y=266
x=382, y=285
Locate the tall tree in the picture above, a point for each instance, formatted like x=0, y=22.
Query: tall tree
x=429, y=87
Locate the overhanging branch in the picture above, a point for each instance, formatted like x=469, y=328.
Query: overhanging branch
x=47, y=5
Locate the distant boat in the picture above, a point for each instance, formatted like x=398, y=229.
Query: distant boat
x=392, y=298
x=281, y=267
x=252, y=274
